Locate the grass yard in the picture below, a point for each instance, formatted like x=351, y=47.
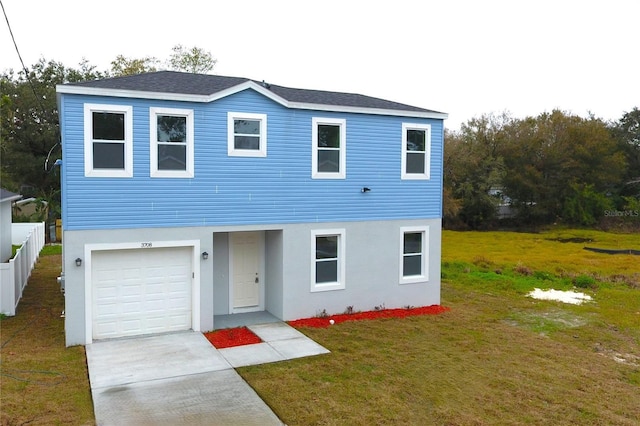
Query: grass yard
x=42, y=382
x=498, y=357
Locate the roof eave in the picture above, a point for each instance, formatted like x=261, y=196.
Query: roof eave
x=122, y=93
x=375, y=111
x=11, y=198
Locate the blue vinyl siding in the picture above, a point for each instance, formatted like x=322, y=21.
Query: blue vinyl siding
x=246, y=190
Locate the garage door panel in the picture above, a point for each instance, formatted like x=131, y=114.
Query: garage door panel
x=130, y=273
x=157, y=306
x=157, y=274
x=176, y=322
x=129, y=307
x=108, y=308
x=153, y=288
x=107, y=329
x=106, y=292
x=141, y=291
x=156, y=323
x=127, y=288
x=131, y=327
x=175, y=304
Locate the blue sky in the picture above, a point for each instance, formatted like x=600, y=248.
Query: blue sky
x=463, y=57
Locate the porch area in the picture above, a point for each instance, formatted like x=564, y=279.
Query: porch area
x=243, y=319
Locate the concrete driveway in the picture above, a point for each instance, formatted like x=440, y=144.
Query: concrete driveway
x=181, y=379
x=173, y=379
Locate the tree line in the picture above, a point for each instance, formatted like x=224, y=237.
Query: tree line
x=552, y=168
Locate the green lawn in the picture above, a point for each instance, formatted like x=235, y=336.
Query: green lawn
x=498, y=357
x=42, y=382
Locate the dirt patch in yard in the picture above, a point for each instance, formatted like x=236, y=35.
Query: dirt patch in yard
x=547, y=321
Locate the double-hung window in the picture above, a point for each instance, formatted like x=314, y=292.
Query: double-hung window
x=247, y=134
x=327, y=259
x=414, y=254
x=171, y=142
x=329, y=148
x=416, y=147
x=108, y=140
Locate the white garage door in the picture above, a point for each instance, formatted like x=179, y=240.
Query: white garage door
x=141, y=291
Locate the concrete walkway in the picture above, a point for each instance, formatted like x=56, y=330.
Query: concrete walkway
x=181, y=379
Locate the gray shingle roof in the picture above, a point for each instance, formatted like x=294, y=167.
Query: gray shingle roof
x=203, y=84
x=8, y=195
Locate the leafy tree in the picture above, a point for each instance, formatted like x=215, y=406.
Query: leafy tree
x=585, y=206
x=551, y=155
x=129, y=66
x=85, y=71
x=555, y=166
x=194, y=60
x=627, y=133
x=29, y=130
x=473, y=167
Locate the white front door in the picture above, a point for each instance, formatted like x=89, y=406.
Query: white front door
x=246, y=287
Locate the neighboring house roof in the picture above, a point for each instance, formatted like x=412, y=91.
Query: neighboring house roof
x=8, y=195
x=206, y=88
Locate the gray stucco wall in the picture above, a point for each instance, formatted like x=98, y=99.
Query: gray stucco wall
x=372, y=269
x=372, y=259
x=221, y=273
x=274, y=271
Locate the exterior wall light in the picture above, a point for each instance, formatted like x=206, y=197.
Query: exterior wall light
x=205, y=255
x=366, y=189
x=78, y=262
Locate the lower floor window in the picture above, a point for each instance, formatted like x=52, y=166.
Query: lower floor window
x=327, y=259
x=413, y=254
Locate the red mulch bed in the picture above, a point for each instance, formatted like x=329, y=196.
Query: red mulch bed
x=230, y=337
x=356, y=316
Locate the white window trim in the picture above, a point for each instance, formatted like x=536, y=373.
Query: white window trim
x=342, y=174
x=153, y=143
x=231, y=148
x=424, y=276
x=427, y=147
x=340, y=284
x=127, y=110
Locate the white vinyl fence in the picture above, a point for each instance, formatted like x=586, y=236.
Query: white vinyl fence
x=15, y=273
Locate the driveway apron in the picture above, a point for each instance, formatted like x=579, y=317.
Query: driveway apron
x=170, y=379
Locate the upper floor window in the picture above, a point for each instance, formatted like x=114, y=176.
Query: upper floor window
x=414, y=254
x=329, y=148
x=108, y=141
x=328, y=258
x=247, y=134
x=171, y=142
x=416, y=151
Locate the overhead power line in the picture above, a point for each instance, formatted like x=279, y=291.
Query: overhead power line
x=28, y=77
x=6, y=18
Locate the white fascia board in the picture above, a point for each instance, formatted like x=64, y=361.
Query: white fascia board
x=251, y=85
x=375, y=111
x=12, y=198
x=95, y=91
x=119, y=93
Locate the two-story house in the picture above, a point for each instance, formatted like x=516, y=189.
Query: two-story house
x=186, y=196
